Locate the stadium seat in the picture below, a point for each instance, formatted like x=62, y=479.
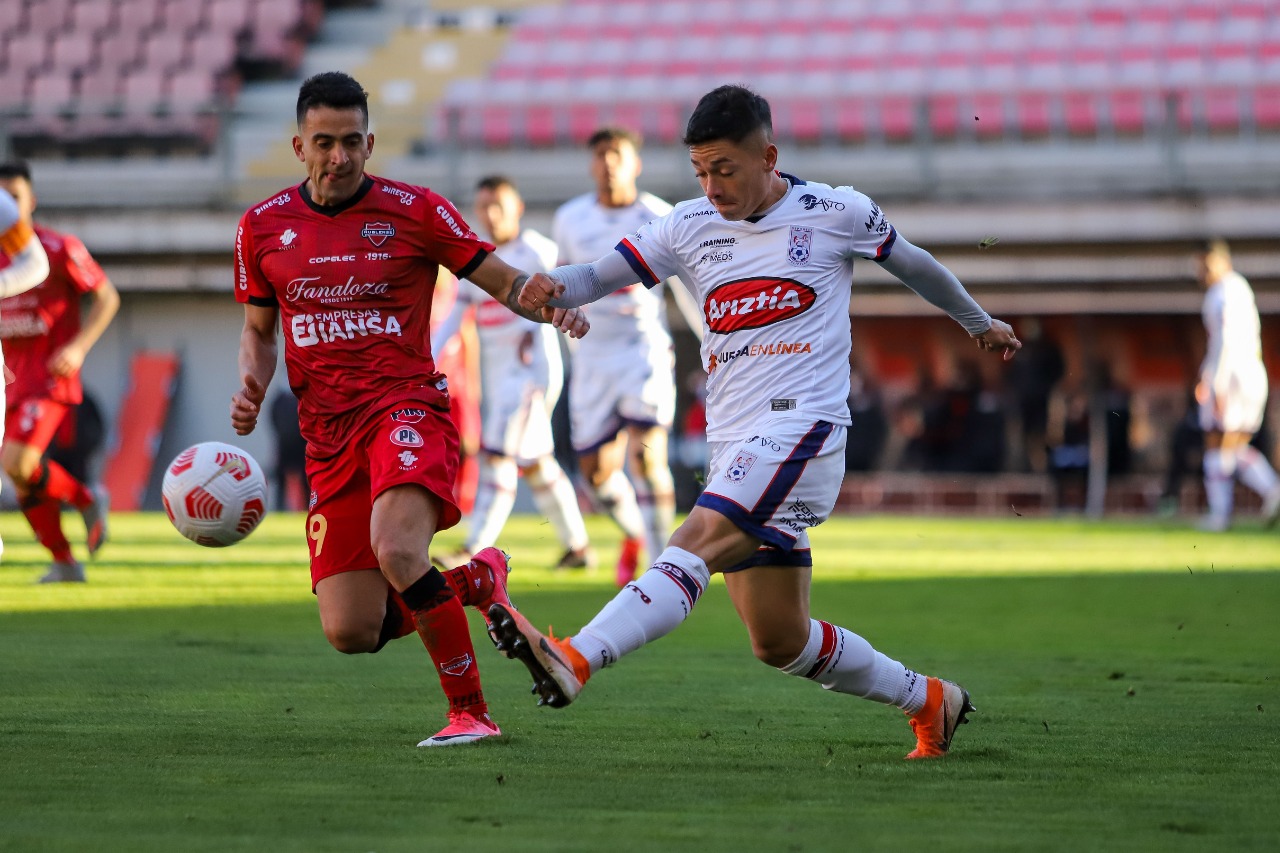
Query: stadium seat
x=1128, y=111
x=988, y=119
x=93, y=17
x=164, y=51
x=897, y=117
x=1034, y=113
x=1266, y=106
x=1080, y=113
x=71, y=51
x=120, y=49
x=49, y=16
x=944, y=115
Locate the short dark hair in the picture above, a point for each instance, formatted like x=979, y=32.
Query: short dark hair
x=613, y=133
x=1215, y=246
x=332, y=89
x=728, y=112
x=493, y=183
x=15, y=169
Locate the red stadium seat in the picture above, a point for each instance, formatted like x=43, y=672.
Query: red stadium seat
x=1266, y=107
x=497, y=126
x=72, y=50
x=851, y=119
x=1034, y=113
x=1128, y=110
x=540, y=125
x=49, y=16
x=944, y=115
x=897, y=117
x=1080, y=112
x=93, y=17
x=120, y=49
x=988, y=119
x=164, y=51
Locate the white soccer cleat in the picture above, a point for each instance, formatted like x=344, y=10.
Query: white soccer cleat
x=464, y=727
x=1271, y=508
x=1213, y=524
x=64, y=572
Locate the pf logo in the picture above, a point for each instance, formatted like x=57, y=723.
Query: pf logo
x=406, y=436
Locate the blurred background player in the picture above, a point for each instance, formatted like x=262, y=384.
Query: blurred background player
x=45, y=344
x=621, y=383
x=23, y=265
x=1232, y=390
x=521, y=373
x=345, y=263
x=777, y=455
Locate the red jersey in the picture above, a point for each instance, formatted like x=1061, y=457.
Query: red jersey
x=353, y=283
x=36, y=324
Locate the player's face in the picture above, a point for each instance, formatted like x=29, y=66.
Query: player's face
x=21, y=191
x=333, y=144
x=499, y=212
x=736, y=177
x=615, y=165
x=1212, y=266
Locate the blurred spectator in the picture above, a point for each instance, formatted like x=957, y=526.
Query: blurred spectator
x=292, y=490
x=1074, y=408
x=964, y=428
x=1032, y=377
x=868, y=427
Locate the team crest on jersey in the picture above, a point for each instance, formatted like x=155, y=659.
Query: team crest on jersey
x=378, y=233
x=313, y=500
x=800, y=244
x=406, y=436
x=737, y=471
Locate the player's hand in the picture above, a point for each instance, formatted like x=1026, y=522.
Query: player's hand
x=572, y=321
x=66, y=360
x=537, y=291
x=246, y=404
x=999, y=337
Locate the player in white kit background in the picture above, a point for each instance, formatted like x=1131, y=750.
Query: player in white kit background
x=771, y=258
x=1231, y=391
x=521, y=375
x=622, y=393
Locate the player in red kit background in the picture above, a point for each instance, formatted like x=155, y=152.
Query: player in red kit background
x=45, y=343
x=346, y=264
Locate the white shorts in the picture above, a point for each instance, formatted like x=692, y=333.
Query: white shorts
x=776, y=485
x=1242, y=408
x=633, y=385
x=515, y=416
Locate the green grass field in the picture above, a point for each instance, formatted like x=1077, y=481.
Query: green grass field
x=1127, y=677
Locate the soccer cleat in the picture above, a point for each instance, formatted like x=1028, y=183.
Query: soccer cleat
x=491, y=585
x=1213, y=523
x=946, y=706
x=63, y=571
x=95, y=519
x=628, y=560
x=1271, y=508
x=577, y=558
x=559, y=671
x=464, y=727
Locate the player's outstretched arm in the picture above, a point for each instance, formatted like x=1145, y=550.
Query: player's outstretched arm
x=257, y=366
x=921, y=272
x=505, y=283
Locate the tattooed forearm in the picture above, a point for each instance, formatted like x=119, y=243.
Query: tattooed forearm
x=513, y=296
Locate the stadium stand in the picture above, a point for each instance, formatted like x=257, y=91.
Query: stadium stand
x=856, y=71
x=94, y=75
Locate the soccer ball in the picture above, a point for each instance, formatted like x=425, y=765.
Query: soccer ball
x=214, y=493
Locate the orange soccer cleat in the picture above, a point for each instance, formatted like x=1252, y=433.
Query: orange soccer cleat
x=946, y=706
x=559, y=670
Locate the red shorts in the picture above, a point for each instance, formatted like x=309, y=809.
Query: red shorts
x=34, y=421
x=408, y=441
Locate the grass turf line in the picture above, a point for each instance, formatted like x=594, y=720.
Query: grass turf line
x=186, y=700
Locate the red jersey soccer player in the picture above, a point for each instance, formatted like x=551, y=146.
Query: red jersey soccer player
x=347, y=263
x=45, y=344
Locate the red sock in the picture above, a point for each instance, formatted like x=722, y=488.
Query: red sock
x=45, y=518
x=442, y=625
x=472, y=583
x=56, y=482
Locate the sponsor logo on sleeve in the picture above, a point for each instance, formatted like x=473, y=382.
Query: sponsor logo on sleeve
x=799, y=245
x=751, y=303
x=408, y=415
x=876, y=222
x=408, y=460
x=378, y=233
x=242, y=274
x=447, y=218
x=406, y=436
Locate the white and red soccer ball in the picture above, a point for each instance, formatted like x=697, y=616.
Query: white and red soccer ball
x=215, y=494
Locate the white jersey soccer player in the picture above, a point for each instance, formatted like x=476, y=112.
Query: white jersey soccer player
x=771, y=259
x=521, y=376
x=1232, y=392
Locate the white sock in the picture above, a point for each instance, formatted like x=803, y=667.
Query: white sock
x=657, y=499
x=1255, y=471
x=557, y=501
x=649, y=607
x=842, y=661
x=495, y=495
x=617, y=498
x=1219, y=488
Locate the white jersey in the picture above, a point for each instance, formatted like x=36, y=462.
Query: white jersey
x=585, y=231
x=774, y=291
x=1234, y=350
x=499, y=329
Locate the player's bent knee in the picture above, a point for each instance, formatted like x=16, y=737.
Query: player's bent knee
x=352, y=639
x=777, y=652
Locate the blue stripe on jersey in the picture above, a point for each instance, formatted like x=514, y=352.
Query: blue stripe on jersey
x=638, y=266
x=882, y=253
x=743, y=520
x=770, y=556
